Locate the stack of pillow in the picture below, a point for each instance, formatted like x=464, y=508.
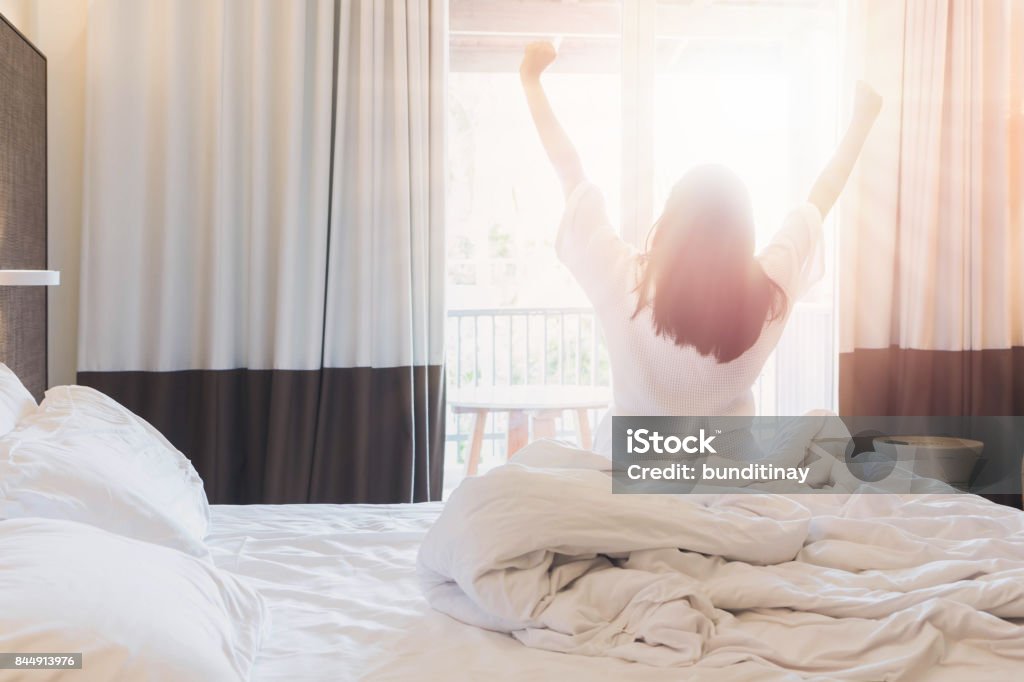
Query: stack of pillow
x=102, y=527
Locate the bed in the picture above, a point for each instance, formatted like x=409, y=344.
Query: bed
x=109, y=549
x=346, y=604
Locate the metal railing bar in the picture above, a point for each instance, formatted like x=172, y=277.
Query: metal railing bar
x=458, y=353
x=526, y=375
x=561, y=346
x=593, y=351
x=579, y=341
x=544, y=366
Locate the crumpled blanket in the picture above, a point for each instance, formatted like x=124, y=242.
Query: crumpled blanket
x=838, y=586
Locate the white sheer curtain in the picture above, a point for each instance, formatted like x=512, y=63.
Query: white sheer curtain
x=207, y=166
x=385, y=294
x=387, y=226
x=932, y=242
x=262, y=262
x=204, y=245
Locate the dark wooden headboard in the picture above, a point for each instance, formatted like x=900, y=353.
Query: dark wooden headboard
x=22, y=204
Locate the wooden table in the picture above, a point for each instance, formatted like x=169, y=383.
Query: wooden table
x=540, y=405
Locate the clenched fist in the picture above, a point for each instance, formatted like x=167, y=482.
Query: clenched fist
x=537, y=57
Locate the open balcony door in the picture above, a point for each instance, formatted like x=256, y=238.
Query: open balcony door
x=647, y=89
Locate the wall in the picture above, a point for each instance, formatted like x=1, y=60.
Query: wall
x=17, y=12
x=58, y=28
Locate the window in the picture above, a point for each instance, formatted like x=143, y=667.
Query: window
x=646, y=88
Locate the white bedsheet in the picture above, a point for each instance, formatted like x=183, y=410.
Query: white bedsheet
x=346, y=604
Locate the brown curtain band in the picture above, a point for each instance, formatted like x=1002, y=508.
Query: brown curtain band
x=336, y=435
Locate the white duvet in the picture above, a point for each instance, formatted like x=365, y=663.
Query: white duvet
x=844, y=586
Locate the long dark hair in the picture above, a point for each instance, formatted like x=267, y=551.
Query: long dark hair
x=699, y=275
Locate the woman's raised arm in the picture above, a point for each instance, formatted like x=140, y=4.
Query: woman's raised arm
x=867, y=103
x=559, y=148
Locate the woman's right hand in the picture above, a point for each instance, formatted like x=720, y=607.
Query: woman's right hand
x=537, y=57
x=866, y=102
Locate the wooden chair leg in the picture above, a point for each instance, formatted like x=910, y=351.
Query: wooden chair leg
x=583, y=429
x=477, y=443
x=518, y=432
x=544, y=424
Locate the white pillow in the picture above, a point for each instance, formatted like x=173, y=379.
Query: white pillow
x=15, y=400
x=134, y=610
x=83, y=457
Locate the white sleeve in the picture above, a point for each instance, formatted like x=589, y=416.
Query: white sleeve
x=795, y=258
x=588, y=245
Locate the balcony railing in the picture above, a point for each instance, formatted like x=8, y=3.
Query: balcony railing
x=512, y=347
x=563, y=346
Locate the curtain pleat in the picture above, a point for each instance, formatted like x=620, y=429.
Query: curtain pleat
x=264, y=196
x=208, y=128
x=914, y=382
x=383, y=347
x=932, y=243
x=380, y=422
x=249, y=433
